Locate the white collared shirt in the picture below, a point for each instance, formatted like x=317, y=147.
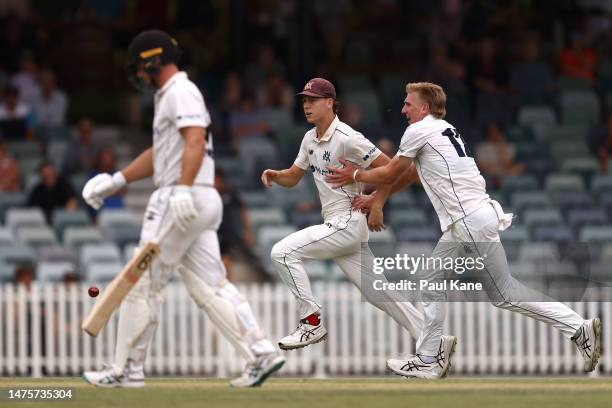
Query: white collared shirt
x=339, y=141
x=179, y=104
x=446, y=168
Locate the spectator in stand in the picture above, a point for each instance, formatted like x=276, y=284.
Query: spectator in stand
x=487, y=71
x=26, y=79
x=578, y=60
x=351, y=114
x=249, y=130
x=495, y=157
x=16, y=118
x=9, y=168
x=532, y=78
x=24, y=275
x=230, y=102
x=276, y=93
x=447, y=71
x=84, y=151
x=52, y=192
x=235, y=231
x=601, y=143
x=51, y=105
x=265, y=64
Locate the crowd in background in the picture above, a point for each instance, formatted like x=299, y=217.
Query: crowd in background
x=57, y=61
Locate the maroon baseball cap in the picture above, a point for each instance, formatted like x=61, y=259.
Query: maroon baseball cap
x=319, y=88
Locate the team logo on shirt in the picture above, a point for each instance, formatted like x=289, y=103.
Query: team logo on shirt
x=367, y=156
x=326, y=156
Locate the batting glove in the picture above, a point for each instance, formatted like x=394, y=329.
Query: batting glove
x=182, y=209
x=102, y=186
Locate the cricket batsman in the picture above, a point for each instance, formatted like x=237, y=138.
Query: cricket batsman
x=343, y=236
x=470, y=221
x=182, y=165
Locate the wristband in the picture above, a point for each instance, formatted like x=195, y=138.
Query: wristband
x=119, y=179
x=355, y=175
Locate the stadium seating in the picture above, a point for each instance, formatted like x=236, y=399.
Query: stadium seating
x=63, y=218
x=6, y=236
x=101, y=252
x=75, y=237
x=580, y=107
x=23, y=217
x=18, y=253
x=7, y=272
x=102, y=271
x=51, y=271
x=36, y=236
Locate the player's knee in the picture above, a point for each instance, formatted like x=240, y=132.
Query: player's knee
x=278, y=252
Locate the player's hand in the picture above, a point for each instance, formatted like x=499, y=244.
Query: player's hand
x=375, y=219
x=268, y=176
x=182, y=209
x=363, y=203
x=102, y=186
x=341, y=176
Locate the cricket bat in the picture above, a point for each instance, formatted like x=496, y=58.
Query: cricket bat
x=120, y=286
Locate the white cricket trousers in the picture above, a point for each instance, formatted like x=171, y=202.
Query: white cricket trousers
x=197, y=250
x=479, y=230
x=340, y=238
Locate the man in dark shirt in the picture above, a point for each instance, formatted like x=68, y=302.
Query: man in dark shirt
x=52, y=192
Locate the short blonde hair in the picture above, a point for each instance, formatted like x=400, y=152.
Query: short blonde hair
x=432, y=94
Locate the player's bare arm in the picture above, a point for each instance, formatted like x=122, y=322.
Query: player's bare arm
x=379, y=197
x=376, y=216
x=193, y=154
x=388, y=174
x=140, y=168
x=286, y=178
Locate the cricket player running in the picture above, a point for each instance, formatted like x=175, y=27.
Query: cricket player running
x=343, y=236
x=182, y=167
x=470, y=221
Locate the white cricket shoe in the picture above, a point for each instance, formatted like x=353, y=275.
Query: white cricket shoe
x=588, y=341
x=304, y=335
x=416, y=368
x=132, y=377
x=257, y=372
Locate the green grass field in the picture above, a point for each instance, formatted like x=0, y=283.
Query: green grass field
x=337, y=392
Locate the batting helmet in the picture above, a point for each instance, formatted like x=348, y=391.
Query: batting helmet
x=149, y=50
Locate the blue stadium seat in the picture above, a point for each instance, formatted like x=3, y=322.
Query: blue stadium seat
x=574, y=199
x=402, y=200
x=525, y=182
x=10, y=200
x=538, y=252
x=564, y=182
x=536, y=116
x=596, y=234
x=269, y=216
x=306, y=219
x=589, y=216
x=57, y=253
x=580, y=107
x=555, y=233
x=6, y=236
x=400, y=218
x=102, y=271
x=24, y=217
x=18, y=253
x=601, y=183
x=75, y=237
x=101, y=252
x=529, y=199
x=36, y=236
x=7, y=272
x=542, y=216
x=63, y=218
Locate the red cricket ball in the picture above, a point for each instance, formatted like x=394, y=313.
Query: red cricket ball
x=93, y=291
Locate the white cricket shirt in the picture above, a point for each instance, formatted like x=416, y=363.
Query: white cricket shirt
x=339, y=141
x=179, y=104
x=446, y=168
